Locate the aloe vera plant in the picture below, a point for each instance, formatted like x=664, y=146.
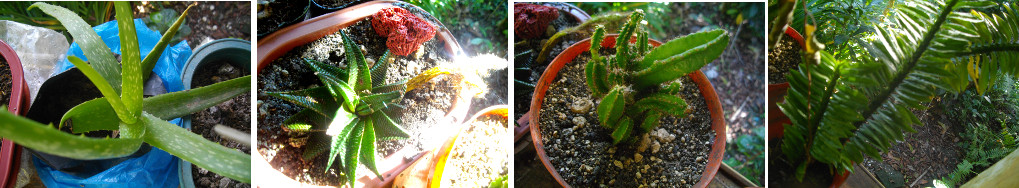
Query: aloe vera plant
x=123, y=107
x=352, y=111
x=638, y=84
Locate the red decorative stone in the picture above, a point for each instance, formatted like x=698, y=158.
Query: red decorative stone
x=404, y=32
x=530, y=20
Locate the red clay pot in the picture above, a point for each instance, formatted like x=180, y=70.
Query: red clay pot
x=428, y=172
x=776, y=94
x=282, y=41
x=10, y=154
x=710, y=97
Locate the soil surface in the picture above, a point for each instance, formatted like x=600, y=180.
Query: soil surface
x=6, y=82
x=673, y=155
x=527, y=51
x=279, y=14
x=783, y=58
x=234, y=113
x=424, y=114
x=480, y=154
x=208, y=20
x=932, y=152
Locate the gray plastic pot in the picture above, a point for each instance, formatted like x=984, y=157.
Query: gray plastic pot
x=234, y=51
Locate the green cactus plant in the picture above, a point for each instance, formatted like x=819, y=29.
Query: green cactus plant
x=637, y=85
x=354, y=109
x=123, y=108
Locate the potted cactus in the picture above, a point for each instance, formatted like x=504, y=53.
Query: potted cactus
x=140, y=123
x=369, y=35
x=14, y=92
x=627, y=109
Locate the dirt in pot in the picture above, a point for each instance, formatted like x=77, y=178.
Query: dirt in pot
x=527, y=51
x=338, y=4
x=480, y=154
x=425, y=106
x=234, y=113
x=6, y=82
x=673, y=155
x=783, y=58
x=273, y=15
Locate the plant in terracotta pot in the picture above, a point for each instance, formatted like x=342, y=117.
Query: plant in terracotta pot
x=843, y=110
x=376, y=34
x=14, y=93
x=642, y=111
x=139, y=122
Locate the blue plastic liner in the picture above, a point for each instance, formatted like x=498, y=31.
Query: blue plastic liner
x=154, y=169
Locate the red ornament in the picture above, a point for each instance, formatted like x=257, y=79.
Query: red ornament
x=530, y=20
x=404, y=32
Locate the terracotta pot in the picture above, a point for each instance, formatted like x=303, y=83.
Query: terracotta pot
x=429, y=171
x=279, y=43
x=578, y=14
x=10, y=154
x=283, y=40
x=776, y=94
x=710, y=97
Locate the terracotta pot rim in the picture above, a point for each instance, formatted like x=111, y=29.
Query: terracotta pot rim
x=10, y=153
x=578, y=14
x=706, y=89
x=501, y=110
x=277, y=44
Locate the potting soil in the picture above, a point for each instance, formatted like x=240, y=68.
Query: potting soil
x=783, y=58
x=234, y=113
x=6, y=81
x=479, y=154
x=672, y=155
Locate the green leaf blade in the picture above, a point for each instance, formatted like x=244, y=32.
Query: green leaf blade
x=150, y=60
x=93, y=46
x=131, y=60
x=195, y=149
x=105, y=88
x=37, y=136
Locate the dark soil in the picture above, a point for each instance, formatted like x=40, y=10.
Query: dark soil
x=783, y=58
x=6, y=82
x=480, y=153
x=279, y=14
x=529, y=71
x=782, y=171
x=234, y=113
x=931, y=152
x=208, y=20
x=425, y=107
x=337, y=4
x=674, y=155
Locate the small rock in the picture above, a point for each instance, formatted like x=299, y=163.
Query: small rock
x=655, y=146
x=587, y=168
x=581, y=106
x=225, y=182
x=637, y=157
x=612, y=182
x=638, y=174
x=644, y=143
x=579, y=121
x=618, y=164
x=700, y=158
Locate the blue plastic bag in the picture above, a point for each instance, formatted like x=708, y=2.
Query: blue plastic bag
x=154, y=169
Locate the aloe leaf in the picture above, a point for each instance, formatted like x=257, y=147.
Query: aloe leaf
x=611, y=107
x=130, y=60
x=95, y=50
x=46, y=139
x=93, y=115
x=378, y=71
x=368, y=147
x=104, y=88
x=329, y=70
x=150, y=60
x=306, y=120
x=181, y=103
x=98, y=114
x=386, y=128
x=353, y=144
x=338, y=140
x=681, y=56
x=360, y=75
x=193, y=148
x=318, y=99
